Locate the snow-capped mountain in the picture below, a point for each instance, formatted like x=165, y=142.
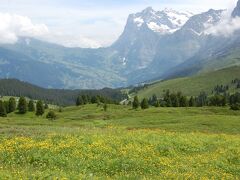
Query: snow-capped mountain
x=137, y=45
x=162, y=22
x=152, y=44
x=197, y=24
x=217, y=51
x=174, y=38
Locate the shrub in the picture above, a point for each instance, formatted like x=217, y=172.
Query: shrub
x=235, y=107
x=60, y=109
x=51, y=115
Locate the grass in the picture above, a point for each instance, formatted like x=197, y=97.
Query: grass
x=230, y=59
x=88, y=143
x=192, y=86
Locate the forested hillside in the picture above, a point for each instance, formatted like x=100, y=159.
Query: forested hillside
x=192, y=86
x=14, y=87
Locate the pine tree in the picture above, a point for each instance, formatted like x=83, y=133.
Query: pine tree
x=3, y=112
x=192, y=102
x=144, y=104
x=6, y=104
x=183, y=101
x=85, y=99
x=22, y=105
x=168, y=102
x=202, y=99
x=31, y=106
x=167, y=99
x=174, y=100
x=135, y=103
x=224, y=101
x=94, y=100
x=79, y=101
x=157, y=104
x=39, y=108
x=105, y=107
x=153, y=100
x=12, y=104
x=45, y=106
x=238, y=86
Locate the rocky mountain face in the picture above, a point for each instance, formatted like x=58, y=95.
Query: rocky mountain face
x=236, y=11
x=177, y=47
x=217, y=52
x=138, y=43
x=154, y=45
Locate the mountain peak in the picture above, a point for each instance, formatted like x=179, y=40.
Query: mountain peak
x=236, y=11
x=148, y=9
x=161, y=22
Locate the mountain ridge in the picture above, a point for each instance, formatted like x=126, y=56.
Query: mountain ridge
x=152, y=44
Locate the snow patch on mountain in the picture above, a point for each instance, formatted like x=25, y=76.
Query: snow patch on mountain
x=162, y=22
x=139, y=21
x=177, y=18
x=124, y=61
x=158, y=28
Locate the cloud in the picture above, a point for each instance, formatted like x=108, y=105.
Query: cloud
x=68, y=40
x=80, y=23
x=226, y=27
x=13, y=26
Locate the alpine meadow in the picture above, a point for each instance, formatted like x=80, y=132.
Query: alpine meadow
x=84, y=97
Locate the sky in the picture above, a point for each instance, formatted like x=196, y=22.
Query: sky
x=81, y=23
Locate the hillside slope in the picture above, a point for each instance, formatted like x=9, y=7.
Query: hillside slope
x=13, y=87
x=192, y=86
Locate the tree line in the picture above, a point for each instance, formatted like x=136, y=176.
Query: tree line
x=88, y=99
x=22, y=106
x=60, y=97
x=179, y=100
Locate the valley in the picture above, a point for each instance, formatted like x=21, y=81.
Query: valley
x=162, y=101
x=154, y=45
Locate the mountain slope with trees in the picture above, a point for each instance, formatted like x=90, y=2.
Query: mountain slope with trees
x=13, y=87
x=192, y=86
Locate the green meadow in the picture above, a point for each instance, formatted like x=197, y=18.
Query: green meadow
x=88, y=143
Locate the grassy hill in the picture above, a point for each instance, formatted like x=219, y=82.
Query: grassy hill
x=88, y=143
x=192, y=86
x=229, y=60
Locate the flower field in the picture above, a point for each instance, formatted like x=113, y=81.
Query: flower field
x=54, y=151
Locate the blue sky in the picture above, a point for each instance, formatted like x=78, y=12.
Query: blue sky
x=94, y=22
